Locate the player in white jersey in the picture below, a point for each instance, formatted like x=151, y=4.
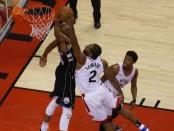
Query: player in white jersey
x=98, y=99
x=123, y=74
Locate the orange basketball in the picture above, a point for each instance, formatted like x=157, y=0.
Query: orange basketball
x=65, y=12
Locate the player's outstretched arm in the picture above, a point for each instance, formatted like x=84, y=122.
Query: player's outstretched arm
x=78, y=54
x=49, y=48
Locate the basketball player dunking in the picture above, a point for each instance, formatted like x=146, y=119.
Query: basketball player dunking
x=64, y=89
x=98, y=99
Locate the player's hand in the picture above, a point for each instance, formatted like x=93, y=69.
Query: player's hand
x=43, y=61
x=132, y=104
x=62, y=38
x=121, y=96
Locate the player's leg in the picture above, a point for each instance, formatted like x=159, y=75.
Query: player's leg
x=48, y=114
x=112, y=108
x=96, y=4
x=106, y=126
x=113, y=113
x=65, y=118
x=96, y=108
x=127, y=114
x=73, y=6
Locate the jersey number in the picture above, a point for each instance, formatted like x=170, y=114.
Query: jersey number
x=93, y=74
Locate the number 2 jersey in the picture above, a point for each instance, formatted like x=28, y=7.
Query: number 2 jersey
x=88, y=76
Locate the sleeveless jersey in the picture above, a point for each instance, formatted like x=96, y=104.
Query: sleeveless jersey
x=88, y=77
x=64, y=86
x=121, y=78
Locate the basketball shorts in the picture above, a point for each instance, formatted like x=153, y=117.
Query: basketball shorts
x=100, y=103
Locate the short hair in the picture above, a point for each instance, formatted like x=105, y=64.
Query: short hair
x=133, y=54
x=96, y=51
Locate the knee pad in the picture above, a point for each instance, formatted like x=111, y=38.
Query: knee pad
x=51, y=107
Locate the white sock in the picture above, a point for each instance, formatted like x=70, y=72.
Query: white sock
x=65, y=118
x=44, y=126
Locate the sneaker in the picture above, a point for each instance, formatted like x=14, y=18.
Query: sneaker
x=144, y=129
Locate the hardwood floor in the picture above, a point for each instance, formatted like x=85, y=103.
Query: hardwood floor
x=145, y=26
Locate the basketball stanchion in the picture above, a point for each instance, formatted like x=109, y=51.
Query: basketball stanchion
x=39, y=17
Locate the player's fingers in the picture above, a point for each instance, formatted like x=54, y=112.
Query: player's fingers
x=42, y=63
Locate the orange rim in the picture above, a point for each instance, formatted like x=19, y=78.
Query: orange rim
x=46, y=15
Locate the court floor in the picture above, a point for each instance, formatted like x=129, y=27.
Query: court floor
x=25, y=113
x=144, y=26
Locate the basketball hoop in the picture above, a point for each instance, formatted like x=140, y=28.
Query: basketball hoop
x=40, y=18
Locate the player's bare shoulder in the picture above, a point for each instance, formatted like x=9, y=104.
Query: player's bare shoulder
x=115, y=68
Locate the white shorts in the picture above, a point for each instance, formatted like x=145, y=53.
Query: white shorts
x=108, y=85
x=100, y=103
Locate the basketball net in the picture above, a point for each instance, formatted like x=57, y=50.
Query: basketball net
x=40, y=18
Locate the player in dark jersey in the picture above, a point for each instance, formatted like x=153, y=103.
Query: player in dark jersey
x=64, y=90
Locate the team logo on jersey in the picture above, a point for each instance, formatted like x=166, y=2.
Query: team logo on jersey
x=66, y=100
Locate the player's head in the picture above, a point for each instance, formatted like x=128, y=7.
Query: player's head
x=92, y=50
x=64, y=27
x=130, y=58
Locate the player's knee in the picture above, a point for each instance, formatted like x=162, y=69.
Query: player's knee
x=67, y=112
x=51, y=108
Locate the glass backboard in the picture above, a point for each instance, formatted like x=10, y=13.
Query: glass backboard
x=6, y=7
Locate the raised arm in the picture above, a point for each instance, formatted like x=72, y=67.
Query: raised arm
x=78, y=54
x=48, y=49
x=66, y=15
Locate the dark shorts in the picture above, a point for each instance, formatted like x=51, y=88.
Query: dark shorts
x=64, y=87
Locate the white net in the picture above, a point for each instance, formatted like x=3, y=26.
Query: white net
x=40, y=30
x=40, y=19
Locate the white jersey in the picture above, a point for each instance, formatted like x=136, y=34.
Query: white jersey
x=88, y=77
x=121, y=78
x=99, y=101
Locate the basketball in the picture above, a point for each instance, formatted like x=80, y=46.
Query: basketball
x=65, y=12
